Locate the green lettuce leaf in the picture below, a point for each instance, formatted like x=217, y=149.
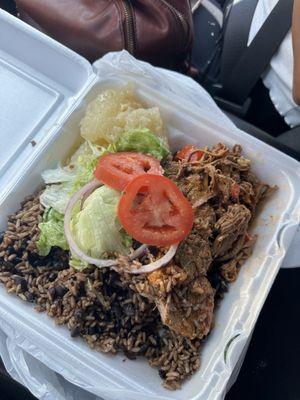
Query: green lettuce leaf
x=62, y=182
x=51, y=232
x=142, y=141
x=96, y=228
x=77, y=264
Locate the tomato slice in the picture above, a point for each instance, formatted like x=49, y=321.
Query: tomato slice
x=118, y=169
x=189, y=153
x=154, y=211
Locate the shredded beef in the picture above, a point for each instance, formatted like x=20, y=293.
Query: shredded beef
x=231, y=229
x=224, y=193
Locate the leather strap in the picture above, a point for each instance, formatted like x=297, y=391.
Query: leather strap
x=240, y=80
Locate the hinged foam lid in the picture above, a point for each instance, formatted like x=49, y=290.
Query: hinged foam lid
x=40, y=80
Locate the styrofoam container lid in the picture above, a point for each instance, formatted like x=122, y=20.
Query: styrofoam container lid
x=40, y=81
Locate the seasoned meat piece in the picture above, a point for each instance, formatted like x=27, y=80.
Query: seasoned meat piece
x=247, y=194
x=188, y=309
x=230, y=229
x=185, y=305
x=223, y=193
x=158, y=283
x=234, y=249
x=229, y=270
x=204, y=220
x=224, y=187
x=247, y=248
x=194, y=254
x=198, y=183
x=163, y=280
x=172, y=169
x=237, y=150
x=199, y=187
x=219, y=151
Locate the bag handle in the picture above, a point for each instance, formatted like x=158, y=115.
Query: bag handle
x=239, y=82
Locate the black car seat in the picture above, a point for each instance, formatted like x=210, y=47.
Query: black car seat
x=287, y=143
x=228, y=68
x=291, y=139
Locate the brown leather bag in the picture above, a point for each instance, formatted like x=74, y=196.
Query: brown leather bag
x=158, y=31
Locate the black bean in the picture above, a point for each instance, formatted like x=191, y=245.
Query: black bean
x=116, y=310
x=129, y=355
x=185, y=344
x=81, y=289
x=17, y=260
x=52, y=277
x=129, y=310
x=30, y=297
x=10, y=250
x=79, y=314
x=52, y=293
x=162, y=374
x=158, y=339
x=136, y=244
x=92, y=330
x=19, y=280
x=215, y=280
x=144, y=348
x=153, y=250
x=118, y=325
x=144, y=259
x=58, y=266
x=35, y=263
x=128, y=325
x=224, y=286
x=8, y=265
x=19, y=253
x=75, y=331
x=60, y=291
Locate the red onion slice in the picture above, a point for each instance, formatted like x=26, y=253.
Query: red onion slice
x=145, y=269
x=88, y=193
x=81, y=195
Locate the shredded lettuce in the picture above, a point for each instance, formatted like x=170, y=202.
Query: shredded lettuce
x=96, y=228
x=62, y=182
x=51, y=232
x=56, y=197
x=142, y=141
x=77, y=264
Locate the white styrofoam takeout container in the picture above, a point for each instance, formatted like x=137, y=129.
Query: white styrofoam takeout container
x=44, y=89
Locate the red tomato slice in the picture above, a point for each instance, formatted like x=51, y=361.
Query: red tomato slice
x=118, y=169
x=189, y=153
x=154, y=211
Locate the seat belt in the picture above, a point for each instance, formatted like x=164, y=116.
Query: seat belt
x=240, y=80
x=237, y=24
